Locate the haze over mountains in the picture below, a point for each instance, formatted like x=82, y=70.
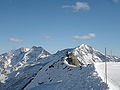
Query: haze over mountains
x=37, y=69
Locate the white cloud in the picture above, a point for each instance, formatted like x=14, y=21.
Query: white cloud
x=89, y=36
x=115, y=1
x=78, y=6
x=15, y=40
x=46, y=37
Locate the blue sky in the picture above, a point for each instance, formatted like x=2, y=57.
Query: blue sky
x=60, y=24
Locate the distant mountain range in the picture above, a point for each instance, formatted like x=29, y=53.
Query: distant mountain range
x=22, y=57
x=36, y=69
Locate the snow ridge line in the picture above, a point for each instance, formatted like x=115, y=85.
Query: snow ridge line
x=30, y=81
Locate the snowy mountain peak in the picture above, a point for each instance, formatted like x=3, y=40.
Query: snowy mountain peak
x=40, y=50
x=24, y=49
x=37, y=47
x=86, y=48
x=84, y=45
x=87, y=55
x=18, y=51
x=22, y=57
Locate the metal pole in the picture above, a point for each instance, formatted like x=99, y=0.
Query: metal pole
x=105, y=67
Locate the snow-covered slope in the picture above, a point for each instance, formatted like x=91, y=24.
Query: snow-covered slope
x=58, y=74
x=14, y=60
x=78, y=74
x=19, y=79
x=117, y=60
x=67, y=69
x=88, y=55
x=113, y=74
